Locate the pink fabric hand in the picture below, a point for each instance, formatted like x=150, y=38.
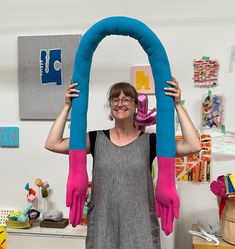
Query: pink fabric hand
x=218, y=187
x=167, y=201
x=77, y=185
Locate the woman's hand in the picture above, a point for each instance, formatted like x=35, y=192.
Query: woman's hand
x=174, y=91
x=71, y=93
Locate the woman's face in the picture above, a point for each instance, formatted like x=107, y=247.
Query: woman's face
x=123, y=107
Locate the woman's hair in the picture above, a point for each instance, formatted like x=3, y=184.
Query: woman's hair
x=124, y=87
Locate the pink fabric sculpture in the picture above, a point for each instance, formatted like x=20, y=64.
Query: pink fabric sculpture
x=143, y=117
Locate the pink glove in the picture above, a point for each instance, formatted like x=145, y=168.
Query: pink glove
x=167, y=201
x=77, y=185
x=218, y=187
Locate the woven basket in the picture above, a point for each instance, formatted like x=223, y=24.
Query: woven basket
x=228, y=222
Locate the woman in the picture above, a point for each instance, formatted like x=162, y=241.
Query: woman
x=121, y=212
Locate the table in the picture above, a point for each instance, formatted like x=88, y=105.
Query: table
x=200, y=243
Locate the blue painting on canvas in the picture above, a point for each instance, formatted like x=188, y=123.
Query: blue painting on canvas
x=9, y=136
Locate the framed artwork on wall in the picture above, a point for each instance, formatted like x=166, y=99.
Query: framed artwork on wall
x=45, y=65
x=205, y=72
x=212, y=111
x=9, y=136
x=142, y=79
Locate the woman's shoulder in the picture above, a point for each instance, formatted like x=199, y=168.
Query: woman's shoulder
x=93, y=133
x=152, y=138
x=150, y=134
x=93, y=136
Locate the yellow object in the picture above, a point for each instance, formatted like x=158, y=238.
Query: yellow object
x=154, y=175
x=14, y=215
x=3, y=237
x=142, y=81
x=38, y=182
x=17, y=224
x=184, y=177
x=232, y=179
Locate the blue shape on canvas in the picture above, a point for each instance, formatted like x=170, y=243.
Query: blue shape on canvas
x=51, y=66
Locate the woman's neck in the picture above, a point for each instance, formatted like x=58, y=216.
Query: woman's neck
x=124, y=129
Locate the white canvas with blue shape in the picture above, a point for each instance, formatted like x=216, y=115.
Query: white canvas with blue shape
x=45, y=68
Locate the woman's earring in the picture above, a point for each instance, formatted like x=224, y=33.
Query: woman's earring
x=110, y=117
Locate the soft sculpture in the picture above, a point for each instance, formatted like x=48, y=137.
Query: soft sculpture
x=143, y=116
x=166, y=197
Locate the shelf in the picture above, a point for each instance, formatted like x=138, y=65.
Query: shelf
x=36, y=230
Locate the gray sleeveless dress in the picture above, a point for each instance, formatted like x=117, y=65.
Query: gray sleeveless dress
x=121, y=210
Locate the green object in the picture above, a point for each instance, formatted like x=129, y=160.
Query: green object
x=182, y=102
x=205, y=58
x=223, y=129
x=208, y=97
x=44, y=193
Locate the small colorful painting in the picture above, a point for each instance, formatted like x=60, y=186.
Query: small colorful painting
x=212, y=111
x=142, y=79
x=9, y=136
x=205, y=72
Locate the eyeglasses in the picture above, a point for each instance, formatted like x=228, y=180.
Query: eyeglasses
x=125, y=101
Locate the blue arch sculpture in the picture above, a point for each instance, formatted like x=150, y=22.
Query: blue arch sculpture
x=125, y=26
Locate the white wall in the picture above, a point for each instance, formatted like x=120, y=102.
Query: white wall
x=188, y=29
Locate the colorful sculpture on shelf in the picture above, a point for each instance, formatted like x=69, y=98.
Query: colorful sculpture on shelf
x=23, y=219
x=166, y=199
x=31, y=195
x=19, y=219
x=43, y=186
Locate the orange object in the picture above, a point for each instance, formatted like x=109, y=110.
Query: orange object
x=32, y=191
x=84, y=220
